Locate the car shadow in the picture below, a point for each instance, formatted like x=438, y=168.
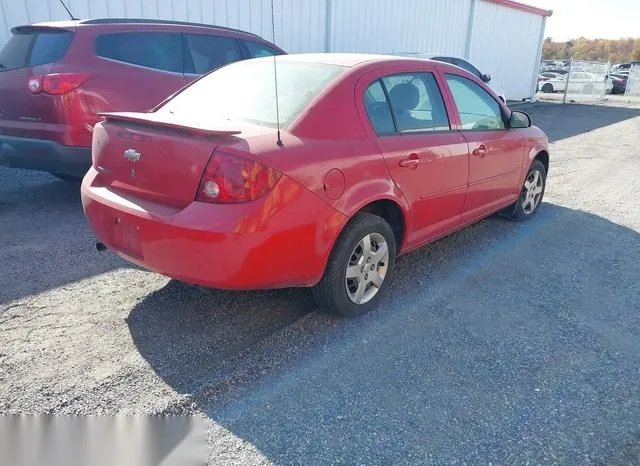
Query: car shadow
x=494, y=332
x=45, y=240
x=561, y=121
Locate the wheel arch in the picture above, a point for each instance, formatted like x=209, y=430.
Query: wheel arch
x=543, y=156
x=392, y=213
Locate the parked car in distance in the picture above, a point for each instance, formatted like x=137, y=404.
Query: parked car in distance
x=56, y=78
x=549, y=75
x=558, y=71
x=371, y=157
x=579, y=82
x=543, y=76
x=619, y=83
x=461, y=62
x=625, y=66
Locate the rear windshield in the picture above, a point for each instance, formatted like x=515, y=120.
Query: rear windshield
x=246, y=91
x=34, y=48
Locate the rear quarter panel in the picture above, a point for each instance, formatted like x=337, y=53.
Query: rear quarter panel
x=327, y=151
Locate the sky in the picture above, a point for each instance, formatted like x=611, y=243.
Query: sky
x=605, y=19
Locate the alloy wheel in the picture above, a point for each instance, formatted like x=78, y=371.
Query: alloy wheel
x=532, y=192
x=367, y=268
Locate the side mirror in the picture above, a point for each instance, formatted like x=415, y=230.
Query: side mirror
x=519, y=120
x=486, y=78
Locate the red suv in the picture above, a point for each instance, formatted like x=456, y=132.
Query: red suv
x=55, y=79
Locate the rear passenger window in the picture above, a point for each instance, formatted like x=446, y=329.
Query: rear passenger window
x=416, y=102
x=477, y=109
x=259, y=50
x=378, y=109
x=156, y=50
x=210, y=52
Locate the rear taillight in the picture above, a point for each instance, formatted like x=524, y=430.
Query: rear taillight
x=56, y=84
x=229, y=179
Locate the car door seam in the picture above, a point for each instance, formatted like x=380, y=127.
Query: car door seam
x=502, y=175
x=444, y=191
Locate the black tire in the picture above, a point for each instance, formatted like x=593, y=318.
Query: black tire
x=516, y=211
x=67, y=178
x=547, y=88
x=331, y=292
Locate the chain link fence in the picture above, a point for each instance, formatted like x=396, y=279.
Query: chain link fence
x=580, y=81
x=633, y=82
x=588, y=80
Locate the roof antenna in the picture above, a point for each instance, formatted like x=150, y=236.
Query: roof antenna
x=69, y=12
x=275, y=72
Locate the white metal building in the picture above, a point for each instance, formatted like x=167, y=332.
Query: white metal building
x=501, y=37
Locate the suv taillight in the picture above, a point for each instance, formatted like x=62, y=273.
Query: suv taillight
x=56, y=84
x=230, y=179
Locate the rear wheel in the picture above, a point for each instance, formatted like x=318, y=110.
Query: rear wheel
x=531, y=194
x=547, y=87
x=67, y=178
x=359, y=268
x=587, y=89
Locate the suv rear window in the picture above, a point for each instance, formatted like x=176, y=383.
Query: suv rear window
x=156, y=50
x=34, y=48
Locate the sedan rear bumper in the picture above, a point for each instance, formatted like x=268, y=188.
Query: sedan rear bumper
x=281, y=240
x=44, y=155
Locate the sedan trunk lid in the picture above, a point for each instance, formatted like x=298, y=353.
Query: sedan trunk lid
x=155, y=157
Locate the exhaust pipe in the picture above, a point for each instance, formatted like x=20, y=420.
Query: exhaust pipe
x=100, y=246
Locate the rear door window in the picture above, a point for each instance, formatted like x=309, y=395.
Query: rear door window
x=34, y=48
x=378, y=109
x=416, y=102
x=156, y=50
x=257, y=50
x=205, y=53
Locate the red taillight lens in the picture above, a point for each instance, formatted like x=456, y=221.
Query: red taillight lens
x=232, y=180
x=56, y=84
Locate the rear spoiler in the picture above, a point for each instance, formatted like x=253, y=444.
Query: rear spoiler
x=34, y=28
x=209, y=128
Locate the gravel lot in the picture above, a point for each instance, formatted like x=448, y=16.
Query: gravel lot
x=503, y=343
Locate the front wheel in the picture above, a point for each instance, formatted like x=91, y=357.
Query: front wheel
x=547, y=88
x=359, y=268
x=531, y=194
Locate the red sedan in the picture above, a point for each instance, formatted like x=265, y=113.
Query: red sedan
x=375, y=156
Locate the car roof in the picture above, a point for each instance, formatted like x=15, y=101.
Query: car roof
x=341, y=59
x=134, y=21
x=426, y=55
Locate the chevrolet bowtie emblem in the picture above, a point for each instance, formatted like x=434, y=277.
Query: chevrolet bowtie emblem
x=132, y=154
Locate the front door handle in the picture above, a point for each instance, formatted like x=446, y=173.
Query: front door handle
x=411, y=162
x=480, y=151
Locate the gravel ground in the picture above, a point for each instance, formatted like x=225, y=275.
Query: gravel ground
x=503, y=343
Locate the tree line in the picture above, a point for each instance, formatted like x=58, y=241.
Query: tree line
x=613, y=51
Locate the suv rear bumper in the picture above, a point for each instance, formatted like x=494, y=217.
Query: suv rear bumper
x=43, y=155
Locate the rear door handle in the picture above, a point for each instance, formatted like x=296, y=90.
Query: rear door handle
x=480, y=151
x=413, y=161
